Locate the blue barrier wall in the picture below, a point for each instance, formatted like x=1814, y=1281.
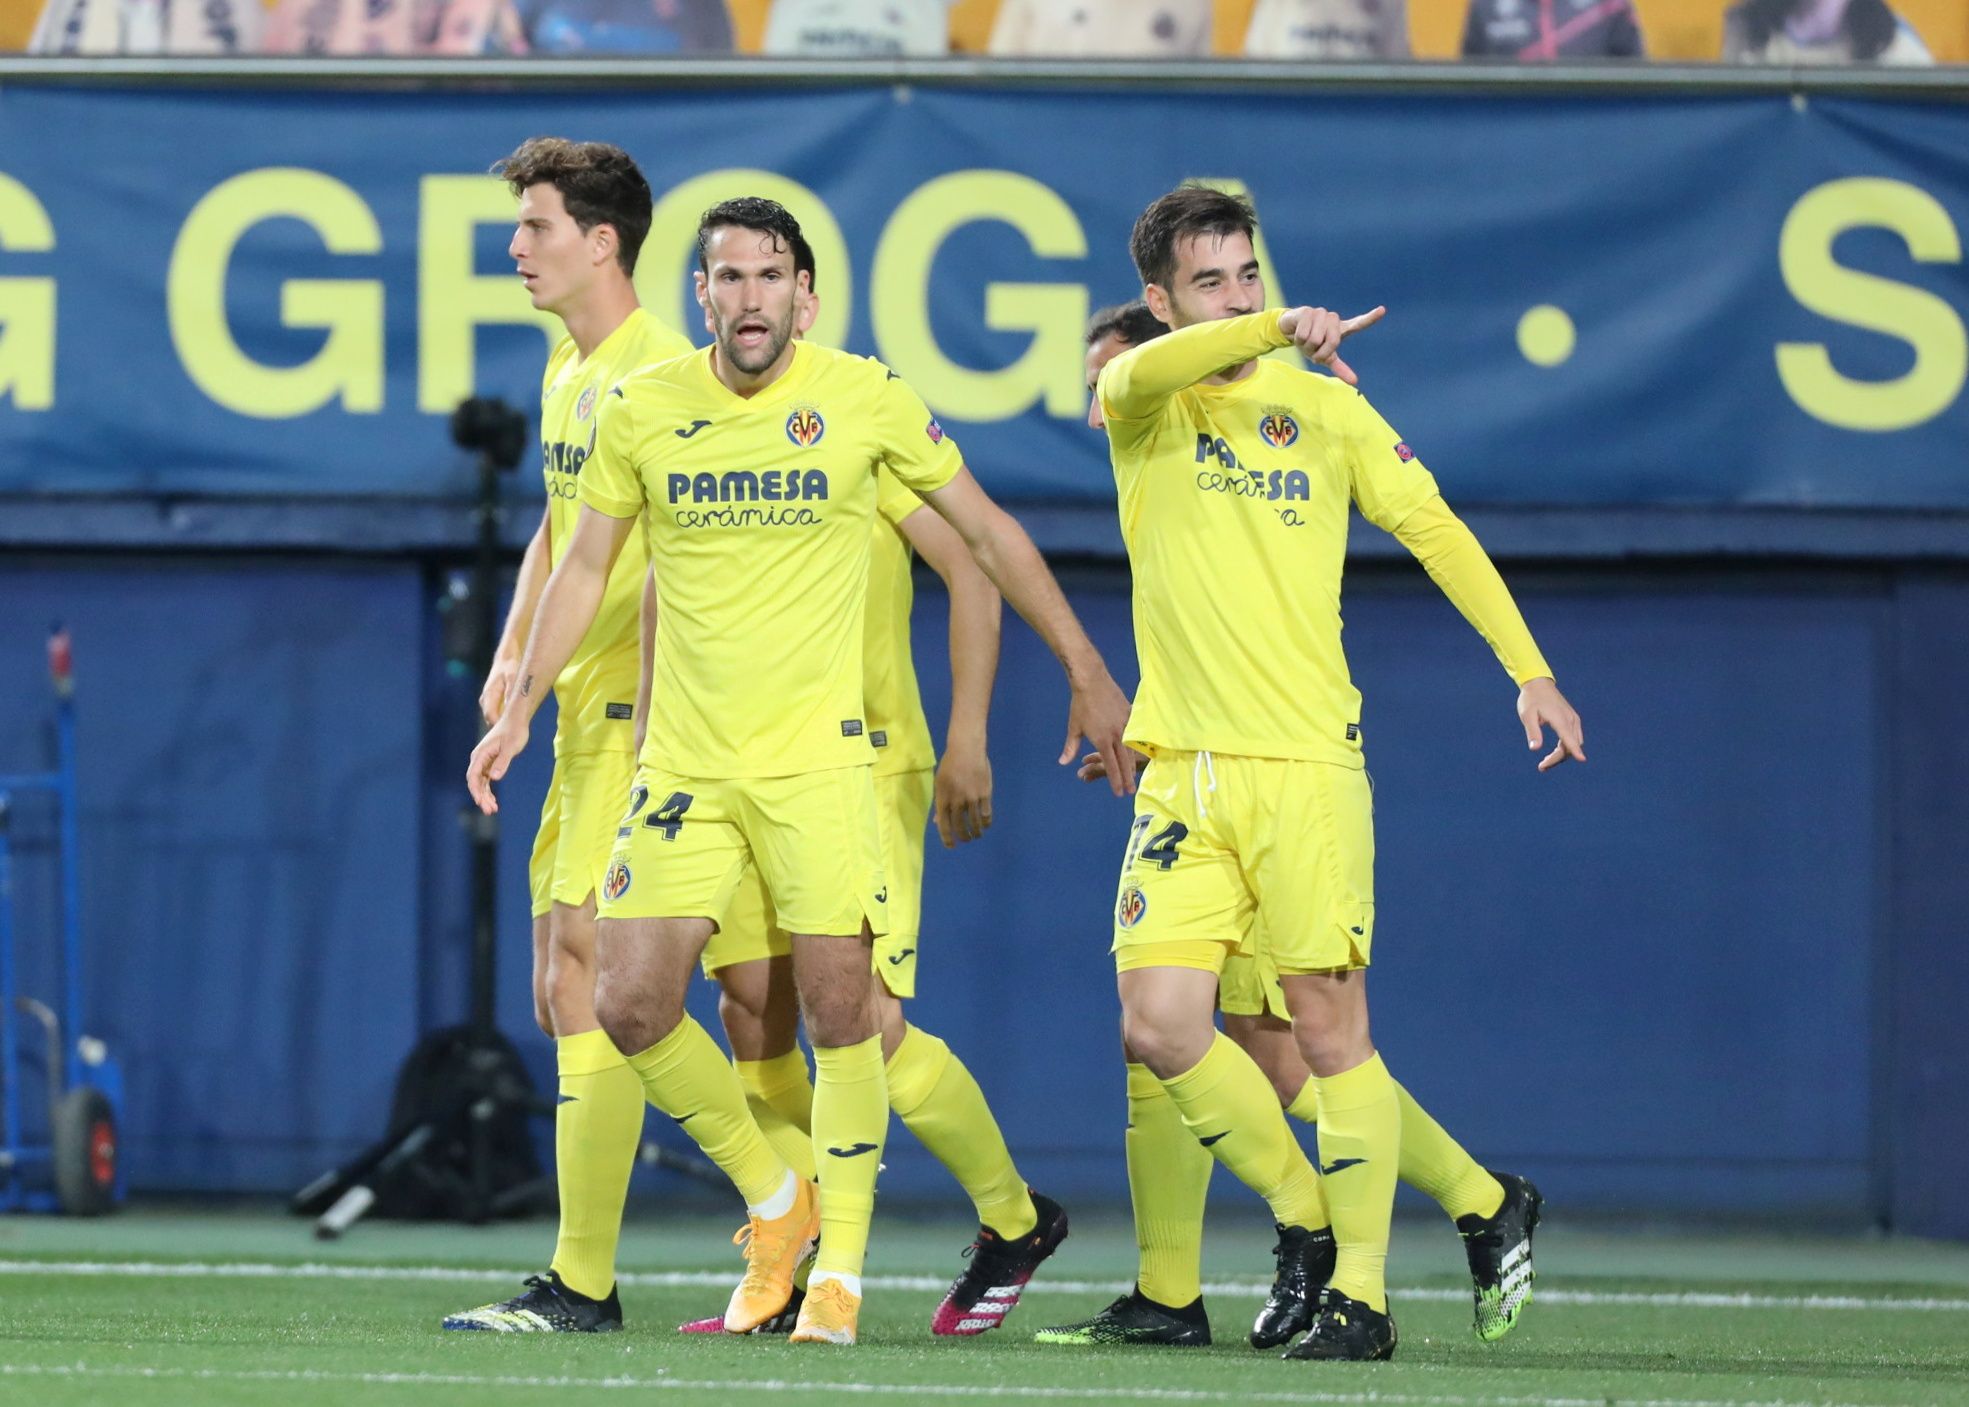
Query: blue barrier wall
x=249, y=738
x=1682, y=977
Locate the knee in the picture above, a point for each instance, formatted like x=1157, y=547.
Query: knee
x=1336, y=1044
x=570, y=976
x=635, y=1021
x=840, y=1019
x=1157, y=1040
x=751, y=1031
x=739, y=1012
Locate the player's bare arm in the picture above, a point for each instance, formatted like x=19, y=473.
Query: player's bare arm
x=1099, y=711
x=534, y=567
x=963, y=799
x=567, y=608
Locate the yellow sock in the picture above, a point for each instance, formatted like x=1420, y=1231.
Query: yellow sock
x=1434, y=1163
x=1360, y=1135
x=1305, y=1107
x=851, y=1122
x=938, y=1101
x=687, y=1077
x=1231, y=1108
x=598, y=1127
x=782, y=1104
x=1168, y=1179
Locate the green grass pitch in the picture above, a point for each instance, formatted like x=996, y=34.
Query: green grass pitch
x=175, y=1307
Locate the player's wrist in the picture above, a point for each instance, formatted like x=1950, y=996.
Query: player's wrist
x=1085, y=667
x=964, y=739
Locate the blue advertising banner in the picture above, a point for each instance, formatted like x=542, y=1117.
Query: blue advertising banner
x=1721, y=301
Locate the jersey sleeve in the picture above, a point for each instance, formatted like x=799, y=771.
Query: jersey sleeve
x=916, y=451
x=1137, y=384
x=894, y=500
x=611, y=480
x=1457, y=563
x=1387, y=480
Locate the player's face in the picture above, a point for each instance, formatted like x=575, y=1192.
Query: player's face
x=1099, y=354
x=752, y=298
x=1216, y=277
x=555, y=258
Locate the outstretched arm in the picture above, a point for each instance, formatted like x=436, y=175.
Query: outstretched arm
x=964, y=774
x=1136, y=384
x=1457, y=562
x=567, y=608
x=1099, y=711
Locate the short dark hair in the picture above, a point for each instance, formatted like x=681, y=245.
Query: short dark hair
x=1132, y=322
x=600, y=185
x=1191, y=209
x=768, y=217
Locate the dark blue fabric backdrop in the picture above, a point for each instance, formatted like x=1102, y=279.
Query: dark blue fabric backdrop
x=1765, y=296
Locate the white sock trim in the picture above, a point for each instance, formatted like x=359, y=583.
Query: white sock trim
x=780, y=1203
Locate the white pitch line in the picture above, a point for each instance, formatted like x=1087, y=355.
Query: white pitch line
x=1374, y=1398
x=676, y=1279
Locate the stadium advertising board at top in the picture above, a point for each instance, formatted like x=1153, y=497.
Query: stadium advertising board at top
x=1750, y=300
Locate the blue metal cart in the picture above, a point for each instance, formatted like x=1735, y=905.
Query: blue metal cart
x=74, y=1168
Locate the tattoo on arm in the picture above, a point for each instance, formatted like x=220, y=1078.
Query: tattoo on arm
x=526, y=687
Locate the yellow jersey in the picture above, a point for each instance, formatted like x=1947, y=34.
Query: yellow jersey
x=1233, y=506
x=896, y=723
x=596, y=693
x=759, y=512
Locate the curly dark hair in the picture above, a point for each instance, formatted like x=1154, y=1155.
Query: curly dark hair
x=1191, y=209
x=768, y=217
x=1132, y=322
x=1868, y=24
x=600, y=185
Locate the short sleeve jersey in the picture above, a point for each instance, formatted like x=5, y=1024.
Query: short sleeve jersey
x=896, y=723
x=596, y=693
x=759, y=513
x=1234, y=506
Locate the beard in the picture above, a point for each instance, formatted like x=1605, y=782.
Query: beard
x=756, y=360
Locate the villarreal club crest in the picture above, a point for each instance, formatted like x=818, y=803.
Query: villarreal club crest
x=1278, y=428
x=805, y=427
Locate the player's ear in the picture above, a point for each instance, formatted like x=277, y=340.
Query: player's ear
x=1158, y=302
x=808, y=312
x=703, y=287
x=601, y=244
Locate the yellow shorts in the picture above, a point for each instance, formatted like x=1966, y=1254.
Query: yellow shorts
x=1216, y=841
x=687, y=844
x=577, y=827
x=1249, y=987
x=752, y=930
